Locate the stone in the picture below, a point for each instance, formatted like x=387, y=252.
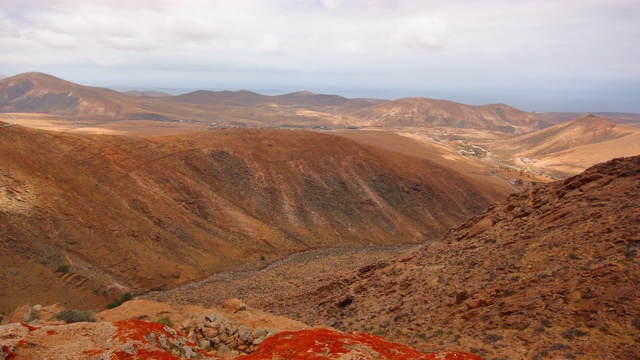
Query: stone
x=244, y=333
x=223, y=351
x=129, y=349
x=205, y=345
x=188, y=352
x=258, y=333
x=210, y=333
x=234, y=305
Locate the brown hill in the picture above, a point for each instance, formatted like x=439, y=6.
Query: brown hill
x=42, y=93
x=148, y=93
x=616, y=117
x=234, y=98
x=549, y=273
x=45, y=94
x=112, y=213
x=570, y=147
x=419, y=112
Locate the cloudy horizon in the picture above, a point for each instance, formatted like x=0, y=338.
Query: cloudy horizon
x=536, y=55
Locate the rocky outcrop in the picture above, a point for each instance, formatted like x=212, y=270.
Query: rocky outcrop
x=211, y=335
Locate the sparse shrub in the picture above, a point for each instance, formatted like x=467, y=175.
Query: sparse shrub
x=545, y=322
x=74, y=316
x=636, y=323
x=491, y=338
x=539, y=329
x=262, y=257
x=588, y=294
x=573, y=256
x=164, y=320
x=524, y=327
x=125, y=297
x=559, y=346
x=578, y=332
x=63, y=268
x=571, y=332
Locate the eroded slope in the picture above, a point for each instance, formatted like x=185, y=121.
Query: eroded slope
x=552, y=272
x=86, y=218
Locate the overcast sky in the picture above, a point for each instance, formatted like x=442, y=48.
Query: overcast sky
x=581, y=55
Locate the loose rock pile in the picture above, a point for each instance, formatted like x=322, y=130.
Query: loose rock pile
x=222, y=336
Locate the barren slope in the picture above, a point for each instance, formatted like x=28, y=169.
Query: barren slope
x=552, y=273
x=572, y=146
x=42, y=93
x=417, y=112
x=134, y=213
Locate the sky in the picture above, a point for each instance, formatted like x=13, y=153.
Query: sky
x=542, y=55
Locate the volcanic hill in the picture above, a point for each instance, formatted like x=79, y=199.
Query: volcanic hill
x=86, y=218
x=570, y=147
x=550, y=273
x=421, y=112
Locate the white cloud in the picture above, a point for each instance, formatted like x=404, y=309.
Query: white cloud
x=409, y=44
x=270, y=44
x=424, y=34
x=350, y=48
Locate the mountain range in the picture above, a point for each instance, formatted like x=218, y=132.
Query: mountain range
x=41, y=93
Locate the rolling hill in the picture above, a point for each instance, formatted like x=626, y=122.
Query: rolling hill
x=88, y=217
x=147, y=93
x=422, y=112
x=570, y=147
x=42, y=93
x=45, y=94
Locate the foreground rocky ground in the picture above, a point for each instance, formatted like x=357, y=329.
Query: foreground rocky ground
x=550, y=273
x=129, y=332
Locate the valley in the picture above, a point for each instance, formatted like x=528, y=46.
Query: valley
x=437, y=225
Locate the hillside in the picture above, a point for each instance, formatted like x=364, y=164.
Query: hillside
x=148, y=93
x=42, y=93
x=86, y=218
x=549, y=273
x=572, y=146
x=420, y=112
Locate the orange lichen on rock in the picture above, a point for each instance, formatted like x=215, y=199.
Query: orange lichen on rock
x=142, y=354
x=138, y=330
x=31, y=328
x=7, y=353
x=91, y=352
x=324, y=343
